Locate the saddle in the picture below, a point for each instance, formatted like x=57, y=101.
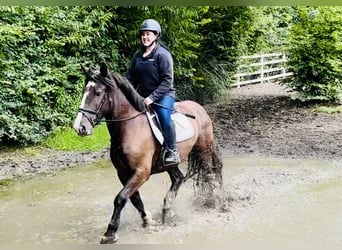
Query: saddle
x=183, y=127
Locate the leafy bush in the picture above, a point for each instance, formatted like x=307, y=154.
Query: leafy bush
x=225, y=33
x=41, y=49
x=315, y=54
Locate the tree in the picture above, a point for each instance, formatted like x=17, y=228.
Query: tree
x=270, y=28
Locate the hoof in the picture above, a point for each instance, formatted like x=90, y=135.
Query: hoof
x=167, y=214
x=109, y=239
x=147, y=220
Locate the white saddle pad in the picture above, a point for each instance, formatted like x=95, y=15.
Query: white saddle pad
x=184, y=128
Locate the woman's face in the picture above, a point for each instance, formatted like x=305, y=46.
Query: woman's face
x=147, y=37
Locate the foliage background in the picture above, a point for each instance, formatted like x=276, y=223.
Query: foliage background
x=41, y=49
x=315, y=52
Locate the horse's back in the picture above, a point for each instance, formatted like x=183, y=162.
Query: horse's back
x=195, y=109
x=202, y=122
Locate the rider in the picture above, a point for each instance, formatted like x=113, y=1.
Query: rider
x=151, y=73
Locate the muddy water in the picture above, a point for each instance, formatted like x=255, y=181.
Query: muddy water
x=264, y=200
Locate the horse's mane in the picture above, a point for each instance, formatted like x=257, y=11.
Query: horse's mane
x=129, y=91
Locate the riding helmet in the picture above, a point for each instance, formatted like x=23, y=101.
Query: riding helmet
x=151, y=25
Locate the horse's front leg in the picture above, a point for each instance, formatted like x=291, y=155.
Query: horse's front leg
x=176, y=180
x=132, y=185
x=110, y=235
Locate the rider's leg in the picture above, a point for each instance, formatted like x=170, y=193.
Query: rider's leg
x=164, y=115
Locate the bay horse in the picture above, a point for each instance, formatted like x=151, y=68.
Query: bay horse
x=134, y=151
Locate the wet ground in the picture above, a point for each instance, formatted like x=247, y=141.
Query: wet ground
x=263, y=200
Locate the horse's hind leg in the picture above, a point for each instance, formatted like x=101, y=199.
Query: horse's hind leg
x=177, y=178
x=217, y=165
x=139, y=205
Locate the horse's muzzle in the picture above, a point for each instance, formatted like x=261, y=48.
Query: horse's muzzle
x=82, y=126
x=82, y=130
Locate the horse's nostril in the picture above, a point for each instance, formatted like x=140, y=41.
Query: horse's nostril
x=82, y=130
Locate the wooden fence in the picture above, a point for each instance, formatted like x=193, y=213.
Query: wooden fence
x=260, y=68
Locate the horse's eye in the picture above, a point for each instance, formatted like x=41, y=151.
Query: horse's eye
x=98, y=93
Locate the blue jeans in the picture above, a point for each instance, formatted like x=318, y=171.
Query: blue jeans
x=164, y=115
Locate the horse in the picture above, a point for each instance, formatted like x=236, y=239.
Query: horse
x=134, y=151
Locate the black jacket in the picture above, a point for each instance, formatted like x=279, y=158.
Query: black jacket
x=152, y=76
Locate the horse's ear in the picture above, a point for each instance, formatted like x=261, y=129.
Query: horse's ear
x=104, y=69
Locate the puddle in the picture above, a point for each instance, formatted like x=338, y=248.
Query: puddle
x=269, y=199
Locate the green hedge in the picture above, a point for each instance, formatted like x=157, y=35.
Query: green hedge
x=315, y=50
x=41, y=49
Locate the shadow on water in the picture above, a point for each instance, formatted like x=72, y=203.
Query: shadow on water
x=281, y=200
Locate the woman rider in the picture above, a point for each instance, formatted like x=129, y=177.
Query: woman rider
x=151, y=73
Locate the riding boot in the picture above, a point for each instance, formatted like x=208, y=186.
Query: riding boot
x=171, y=156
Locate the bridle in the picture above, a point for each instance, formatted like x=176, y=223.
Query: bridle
x=97, y=119
x=86, y=112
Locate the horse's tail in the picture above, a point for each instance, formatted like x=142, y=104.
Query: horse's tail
x=205, y=168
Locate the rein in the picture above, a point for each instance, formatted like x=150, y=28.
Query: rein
x=84, y=111
x=123, y=119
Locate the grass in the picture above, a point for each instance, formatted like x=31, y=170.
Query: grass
x=66, y=139
x=329, y=109
x=5, y=182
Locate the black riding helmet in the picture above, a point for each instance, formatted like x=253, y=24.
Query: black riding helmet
x=151, y=25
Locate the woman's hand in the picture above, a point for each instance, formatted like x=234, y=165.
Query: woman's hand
x=148, y=101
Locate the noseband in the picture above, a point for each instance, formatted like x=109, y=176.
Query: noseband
x=85, y=113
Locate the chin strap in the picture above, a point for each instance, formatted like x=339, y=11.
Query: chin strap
x=154, y=41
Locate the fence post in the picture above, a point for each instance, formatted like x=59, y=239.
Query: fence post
x=238, y=79
x=283, y=57
x=262, y=68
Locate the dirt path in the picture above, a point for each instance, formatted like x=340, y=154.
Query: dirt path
x=259, y=120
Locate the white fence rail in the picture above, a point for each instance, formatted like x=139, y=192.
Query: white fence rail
x=261, y=68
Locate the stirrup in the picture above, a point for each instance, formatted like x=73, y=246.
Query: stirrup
x=171, y=157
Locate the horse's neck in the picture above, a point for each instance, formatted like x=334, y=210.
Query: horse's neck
x=121, y=119
x=121, y=108
x=123, y=115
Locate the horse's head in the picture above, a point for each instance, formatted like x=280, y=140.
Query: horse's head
x=95, y=100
